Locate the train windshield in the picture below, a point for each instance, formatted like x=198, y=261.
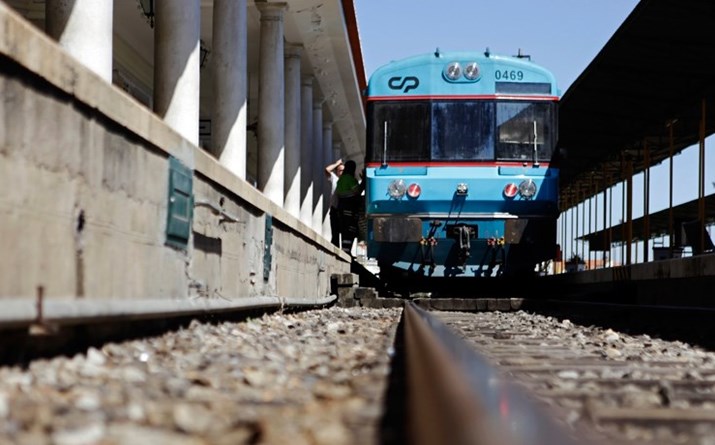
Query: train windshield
x=452, y=130
x=525, y=131
x=462, y=130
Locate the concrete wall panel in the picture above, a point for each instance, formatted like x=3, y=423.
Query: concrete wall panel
x=84, y=191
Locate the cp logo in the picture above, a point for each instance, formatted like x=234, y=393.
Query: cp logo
x=403, y=83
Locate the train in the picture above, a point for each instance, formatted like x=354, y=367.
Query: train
x=461, y=165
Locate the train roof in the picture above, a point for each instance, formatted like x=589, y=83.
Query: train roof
x=426, y=65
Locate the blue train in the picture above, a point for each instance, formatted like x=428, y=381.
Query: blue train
x=460, y=169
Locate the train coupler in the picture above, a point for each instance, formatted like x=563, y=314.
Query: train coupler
x=463, y=237
x=493, y=256
x=427, y=250
x=494, y=242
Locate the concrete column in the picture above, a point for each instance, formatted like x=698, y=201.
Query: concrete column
x=177, y=54
x=230, y=84
x=337, y=150
x=318, y=164
x=292, y=130
x=327, y=159
x=306, y=151
x=271, y=102
x=84, y=29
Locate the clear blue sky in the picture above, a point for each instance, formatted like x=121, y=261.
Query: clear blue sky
x=562, y=35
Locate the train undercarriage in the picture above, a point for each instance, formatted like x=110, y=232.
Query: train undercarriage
x=459, y=254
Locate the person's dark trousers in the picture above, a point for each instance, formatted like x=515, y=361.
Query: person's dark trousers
x=335, y=226
x=348, y=229
x=348, y=210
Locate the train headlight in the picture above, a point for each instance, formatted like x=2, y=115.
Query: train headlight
x=453, y=71
x=414, y=190
x=396, y=189
x=471, y=71
x=527, y=189
x=511, y=190
x=462, y=189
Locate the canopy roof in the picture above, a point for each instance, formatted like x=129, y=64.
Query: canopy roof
x=656, y=70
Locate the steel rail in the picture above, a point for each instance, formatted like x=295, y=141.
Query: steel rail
x=55, y=311
x=455, y=396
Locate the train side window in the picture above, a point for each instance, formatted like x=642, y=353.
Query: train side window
x=407, y=125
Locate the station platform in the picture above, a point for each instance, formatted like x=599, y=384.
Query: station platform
x=675, y=281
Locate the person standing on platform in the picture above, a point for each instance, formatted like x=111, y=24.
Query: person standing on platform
x=349, y=192
x=333, y=172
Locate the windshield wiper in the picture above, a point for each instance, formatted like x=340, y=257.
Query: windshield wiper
x=536, y=149
x=384, y=146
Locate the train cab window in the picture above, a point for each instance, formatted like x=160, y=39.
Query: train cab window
x=462, y=131
x=400, y=131
x=525, y=131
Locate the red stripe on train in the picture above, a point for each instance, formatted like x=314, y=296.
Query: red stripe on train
x=455, y=164
x=464, y=97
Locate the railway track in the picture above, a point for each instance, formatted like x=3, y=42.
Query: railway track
x=305, y=377
x=488, y=377
x=442, y=391
x=612, y=387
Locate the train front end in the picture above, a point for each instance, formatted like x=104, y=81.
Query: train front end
x=459, y=165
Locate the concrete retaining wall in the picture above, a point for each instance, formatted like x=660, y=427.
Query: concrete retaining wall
x=84, y=174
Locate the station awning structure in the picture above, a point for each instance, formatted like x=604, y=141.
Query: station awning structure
x=685, y=227
x=654, y=75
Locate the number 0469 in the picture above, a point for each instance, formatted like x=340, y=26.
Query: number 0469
x=509, y=75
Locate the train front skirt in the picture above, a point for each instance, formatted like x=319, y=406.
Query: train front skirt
x=437, y=248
